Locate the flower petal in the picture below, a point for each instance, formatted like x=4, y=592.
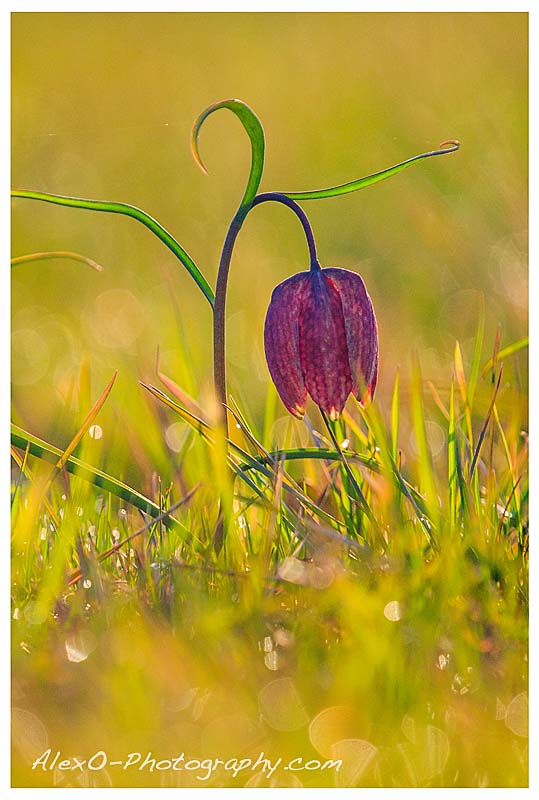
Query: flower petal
x=281, y=341
x=323, y=346
x=361, y=330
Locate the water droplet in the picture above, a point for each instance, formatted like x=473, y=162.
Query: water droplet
x=500, y=709
x=392, y=611
x=43, y=534
x=87, y=583
x=176, y=435
x=78, y=646
x=331, y=725
x=117, y=319
x=95, y=431
x=271, y=660
x=30, y=356
x=321, y=576
x=115, y=534
x=29, y=734
x=16, y=613
x=35, y=613
x=293, y=570
x=443, y=660
x=281, y=705
x=357, y=756
x=283, y=638
x=516, y=715
x=268, y=644
x=344, y=444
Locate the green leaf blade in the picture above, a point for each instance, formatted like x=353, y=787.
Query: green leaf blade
x=135, y=213
x=376, y=177
x=48, y=452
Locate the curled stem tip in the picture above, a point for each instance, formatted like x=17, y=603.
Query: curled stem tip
x=449, y=145
x=254, y=130
x=194, y=144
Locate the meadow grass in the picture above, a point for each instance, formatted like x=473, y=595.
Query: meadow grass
x=369, y=603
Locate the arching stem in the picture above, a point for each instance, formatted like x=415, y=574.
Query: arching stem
x=219, y=320
x=219, y=309
x=278, y=197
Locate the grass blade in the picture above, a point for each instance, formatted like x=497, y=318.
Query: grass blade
x=505, y=353
x=162, y=517
x=177, y=391
x=324, y=453
x=450, y=146
x=452, y=460
x=22, y=463
x=94, y=411
x=423, y=454
x=135, y=213
x=249, y=462
x=47, y=452
x=357, y=489
x=476, y=359
x=485, y=425
x=395, y=420
x=54, y=254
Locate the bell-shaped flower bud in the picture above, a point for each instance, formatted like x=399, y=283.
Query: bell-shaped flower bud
x=321, y=339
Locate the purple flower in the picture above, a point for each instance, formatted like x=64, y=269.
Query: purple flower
x=321, y=339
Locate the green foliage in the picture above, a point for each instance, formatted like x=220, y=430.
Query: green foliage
x=135, y=213
x=390, y=621
x=370, y=180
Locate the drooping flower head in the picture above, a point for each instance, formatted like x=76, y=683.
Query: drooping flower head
x=321, y=339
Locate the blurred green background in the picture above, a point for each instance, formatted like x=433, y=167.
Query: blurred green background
x=102, y=108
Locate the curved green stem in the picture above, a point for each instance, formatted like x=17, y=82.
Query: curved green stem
x=300, y=213
x=449, y=146
x=254, y=130
x=135, y=213
x=222, y=281
x=219, y=319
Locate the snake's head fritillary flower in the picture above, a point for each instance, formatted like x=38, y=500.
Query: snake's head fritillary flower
x=321, y=339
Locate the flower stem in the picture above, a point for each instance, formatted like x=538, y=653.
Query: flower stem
x=219, y=316
x=219, y=308
x=302, y=216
